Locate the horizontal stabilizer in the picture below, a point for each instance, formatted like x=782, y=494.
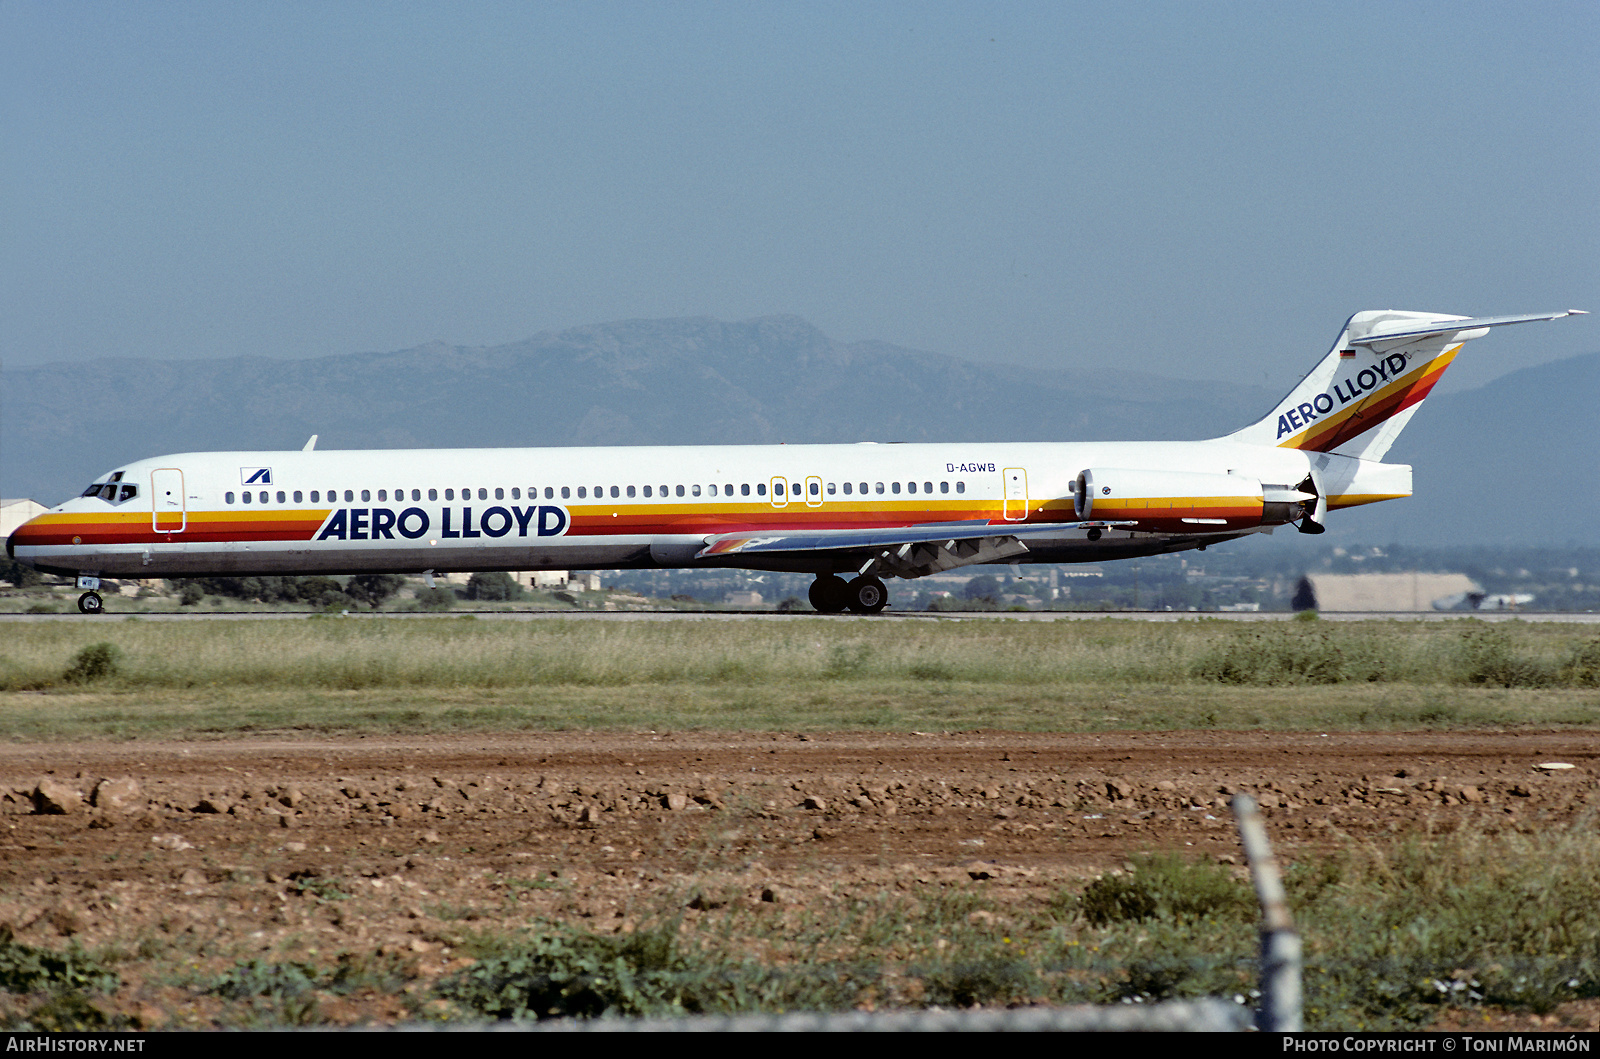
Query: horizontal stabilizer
x=1445, y=327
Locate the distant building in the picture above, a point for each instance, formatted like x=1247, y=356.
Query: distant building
x=14, y=513
x=541, y=578
x=1378, y=592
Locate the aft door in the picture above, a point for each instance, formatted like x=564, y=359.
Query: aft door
x=1016, y=499
x=168, y=513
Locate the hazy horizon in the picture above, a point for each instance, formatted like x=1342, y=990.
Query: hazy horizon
x=1187, y=190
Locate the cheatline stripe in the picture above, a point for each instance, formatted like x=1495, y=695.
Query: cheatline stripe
x=1368, y=412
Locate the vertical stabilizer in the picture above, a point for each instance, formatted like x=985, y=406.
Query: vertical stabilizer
x=1361, y=395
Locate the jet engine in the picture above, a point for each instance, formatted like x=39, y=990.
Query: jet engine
x=1185, y=501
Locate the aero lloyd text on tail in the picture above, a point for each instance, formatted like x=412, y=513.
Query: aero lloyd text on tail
x=852, y=515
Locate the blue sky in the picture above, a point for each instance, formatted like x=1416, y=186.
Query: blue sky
x=1201, y=190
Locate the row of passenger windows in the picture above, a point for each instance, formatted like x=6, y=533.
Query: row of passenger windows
x=779, y=488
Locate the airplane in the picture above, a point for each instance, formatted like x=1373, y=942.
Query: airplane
x=865, y=511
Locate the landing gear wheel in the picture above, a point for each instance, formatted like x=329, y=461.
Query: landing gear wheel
x=91, y=603
x=867, y=595
x=829, y=594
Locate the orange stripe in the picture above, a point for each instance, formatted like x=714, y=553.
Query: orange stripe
x=1369, y=412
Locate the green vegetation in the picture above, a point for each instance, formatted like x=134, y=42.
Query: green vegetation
x=58, y=983
x=126, y=679
x=1393, y=937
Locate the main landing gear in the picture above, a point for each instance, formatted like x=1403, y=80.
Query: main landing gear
x=91, y=603
x=831, y=594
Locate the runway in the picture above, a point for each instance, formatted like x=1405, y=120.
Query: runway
x=1589, y=618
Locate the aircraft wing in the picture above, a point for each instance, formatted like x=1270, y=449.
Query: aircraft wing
x=903, y=551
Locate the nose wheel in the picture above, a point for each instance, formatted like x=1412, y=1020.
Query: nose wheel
x=91, y=603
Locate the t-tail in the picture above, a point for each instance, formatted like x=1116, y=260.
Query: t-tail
x=1360, y=396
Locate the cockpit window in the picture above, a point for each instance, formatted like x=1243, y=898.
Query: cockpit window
x=93, y=490
x=129, y=491
x=108, y=491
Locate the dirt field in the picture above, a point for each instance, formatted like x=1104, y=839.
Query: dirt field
x=224, y=847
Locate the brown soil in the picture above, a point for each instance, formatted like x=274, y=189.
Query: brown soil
x=224, y=847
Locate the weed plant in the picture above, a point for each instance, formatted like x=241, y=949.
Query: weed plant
x=1393, y=935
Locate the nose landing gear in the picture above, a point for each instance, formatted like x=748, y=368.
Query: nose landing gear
x=91, y=603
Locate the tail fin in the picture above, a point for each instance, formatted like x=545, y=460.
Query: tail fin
x=1361, y=395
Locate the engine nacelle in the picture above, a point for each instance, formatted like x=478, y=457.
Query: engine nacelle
x=1184, y=501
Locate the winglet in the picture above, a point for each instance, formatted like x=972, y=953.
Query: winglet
x=310, y=444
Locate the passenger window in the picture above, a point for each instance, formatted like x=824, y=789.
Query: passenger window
x=315, y=496
x=615, y=492
x=816, y=488
x=712, y=489
x=516, y=494
x=383, y=496
x=777, y=488
x=630, y=492
x=680, y=490
x=880, y=488
x=583, y=492
x=847, y=489
x=449, y=494
x=281, y=497
x=416, y=494
x=695, y=489
x=927, y=487
x=864, y=489
x=499, y=493
x=944, y=487
x=831, y=489
x=894, y=487
x=961, y=487
x=483, y=494
x=299, y=497
x=227, y=498
x=566, y=491
x=761, y=489
x=911, y=487
x=647, y=490
x=263, y=496
x=744, y=490
x=366, y=496
x=795, y=489
x=245, y=496
x=349, y=497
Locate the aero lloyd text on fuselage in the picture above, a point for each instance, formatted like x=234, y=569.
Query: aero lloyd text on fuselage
x=382, y=523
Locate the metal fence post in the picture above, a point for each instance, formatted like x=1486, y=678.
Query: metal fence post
x=1280, y=1010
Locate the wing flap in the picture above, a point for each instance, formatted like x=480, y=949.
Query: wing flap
x=890, y=537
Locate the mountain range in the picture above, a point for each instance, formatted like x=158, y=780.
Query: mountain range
x=1522, y=445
